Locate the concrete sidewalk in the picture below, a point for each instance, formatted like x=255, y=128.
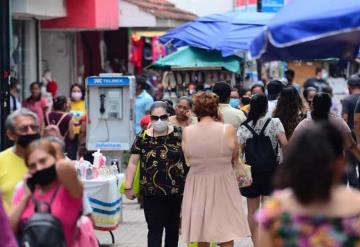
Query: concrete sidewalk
x=132, y=232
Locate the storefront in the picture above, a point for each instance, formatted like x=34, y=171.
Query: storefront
x=25, y=52
x=73, y=46
x=147, y=20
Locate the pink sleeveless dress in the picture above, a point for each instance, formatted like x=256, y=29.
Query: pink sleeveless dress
x=212, y=208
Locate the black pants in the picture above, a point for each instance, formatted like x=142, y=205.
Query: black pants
x=163, y=212
x=351, y=173
x=72, y=148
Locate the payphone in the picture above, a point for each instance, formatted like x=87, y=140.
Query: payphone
x=110, y=100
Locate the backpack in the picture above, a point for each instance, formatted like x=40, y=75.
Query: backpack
x=259, y=153
x=52, y=128
x=43, y=229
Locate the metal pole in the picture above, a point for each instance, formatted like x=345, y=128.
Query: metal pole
x=4, y=68
x=259, y=5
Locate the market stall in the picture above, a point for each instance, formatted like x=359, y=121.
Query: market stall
x=190, y=66
x=101, y=183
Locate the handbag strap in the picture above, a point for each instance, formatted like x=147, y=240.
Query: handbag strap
x=250, y=129
x=262, y=130
x=265, y=125
x=38, y=203
x=61, y=119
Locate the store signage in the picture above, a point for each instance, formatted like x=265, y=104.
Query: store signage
x=107, y=81
x=272, y=6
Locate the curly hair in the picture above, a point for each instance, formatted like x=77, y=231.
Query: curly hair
x=205, y=104
x=288, y=109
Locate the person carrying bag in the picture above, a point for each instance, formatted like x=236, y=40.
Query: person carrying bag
x=43, y=229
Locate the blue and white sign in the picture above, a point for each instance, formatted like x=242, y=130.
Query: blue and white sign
x=272, y=6
x=112, y=146
x=107, y=81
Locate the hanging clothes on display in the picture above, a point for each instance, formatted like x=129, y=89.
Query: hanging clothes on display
x=158, y=50
x=136, y=55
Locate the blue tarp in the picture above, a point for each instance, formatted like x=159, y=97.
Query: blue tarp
x=229, y=33
x=311, y=29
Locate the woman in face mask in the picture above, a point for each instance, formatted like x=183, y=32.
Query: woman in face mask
x=77, y=110
x=36, y=103
x=48, y=178
x=162, y=176
x=183, y=115
x=234, y=99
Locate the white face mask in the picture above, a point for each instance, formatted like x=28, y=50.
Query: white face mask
x=76, y=96
x=325, y=76
x=160, y=125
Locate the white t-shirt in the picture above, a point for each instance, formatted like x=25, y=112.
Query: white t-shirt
x=272, y=130
x=271, y=107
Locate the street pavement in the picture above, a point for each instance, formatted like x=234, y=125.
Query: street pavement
x=132, y=232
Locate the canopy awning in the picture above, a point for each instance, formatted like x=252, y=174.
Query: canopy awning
x=191, y=58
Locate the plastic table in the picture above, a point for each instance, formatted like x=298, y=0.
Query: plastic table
x=106, y=202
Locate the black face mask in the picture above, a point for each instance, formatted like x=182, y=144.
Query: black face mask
x=245, y=100
x=43, y=177
x=24, y=140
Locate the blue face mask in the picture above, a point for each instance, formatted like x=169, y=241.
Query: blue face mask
x=234, y=102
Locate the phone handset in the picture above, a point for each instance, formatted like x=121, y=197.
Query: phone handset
x=102, y=103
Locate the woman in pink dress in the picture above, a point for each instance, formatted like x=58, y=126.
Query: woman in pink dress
x=212, y=207
x=36, y=103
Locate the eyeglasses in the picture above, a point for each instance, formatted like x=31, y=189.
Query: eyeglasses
x=162, y=117
x=24, y=129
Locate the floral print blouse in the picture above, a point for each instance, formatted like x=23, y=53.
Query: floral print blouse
x=290, y=230
x=162, y=164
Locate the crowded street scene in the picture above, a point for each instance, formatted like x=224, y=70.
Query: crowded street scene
x=180, y=123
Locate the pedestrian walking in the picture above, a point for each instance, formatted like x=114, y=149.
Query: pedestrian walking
x=50, y=182
x=230, y=115
x=348, y=114
x=235, y=98
x=77, y=111
x=183, y=115
x=14, y=100
x=143, y=102
x=22, y=128
x=290, y=76
x=36, y=103
x=170, y=110
x=257, y=88
x=309, y=94
x=314, y=209
x=318, y=81
x=289, y=109
x=212, y=206
x=274, y=88
x=335, y=105
x=245, y=96
x=259, y=139
x=162, y=176
x=321, y=112
x=61, y=119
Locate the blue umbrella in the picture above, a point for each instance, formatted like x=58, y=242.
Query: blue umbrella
x=311, y=29
x=229, y=33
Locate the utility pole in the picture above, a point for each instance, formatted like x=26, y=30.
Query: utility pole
x=259, y=5
x=258, y=62
x=4, y=68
